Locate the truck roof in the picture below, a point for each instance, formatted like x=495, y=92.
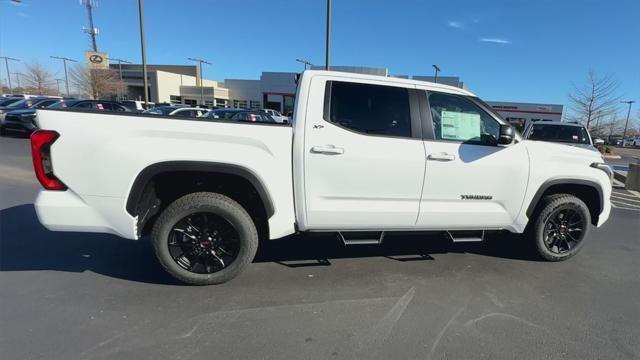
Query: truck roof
x=426, y=85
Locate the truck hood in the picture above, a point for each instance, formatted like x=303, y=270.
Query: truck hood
x=563, y=152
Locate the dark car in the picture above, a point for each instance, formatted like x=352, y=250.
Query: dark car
x=561, y=132
x=239, y=115
x=5, y=101
x=21, y=114
x=24, y=119
x=99, y=105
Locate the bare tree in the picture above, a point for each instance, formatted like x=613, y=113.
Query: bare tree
x=96, y=83
x=597, y=98
x=38, y=79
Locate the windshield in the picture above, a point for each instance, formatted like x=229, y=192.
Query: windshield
x=24, y=103
x=59, y=105
x=221, y=114
x=159, y=111
x=560, y=133
x=7, y=102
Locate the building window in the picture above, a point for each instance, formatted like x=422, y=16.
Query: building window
x=223, y=103
x=208, y=103
x=190, y=102
x=240, y=104
x=175, y=99
x=254, y=105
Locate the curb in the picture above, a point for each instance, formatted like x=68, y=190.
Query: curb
x=611, y=156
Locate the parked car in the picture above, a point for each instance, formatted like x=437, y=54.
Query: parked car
x=137, y=105
x=8, y=101
x=353, y=164
x=22, y=115
x=180, y=111
x=96, y=105
x=276, y=115
x=634, y=141
x=239, y=115
x=560, y=132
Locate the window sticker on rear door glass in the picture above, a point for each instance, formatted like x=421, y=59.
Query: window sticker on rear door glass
x=459, y=126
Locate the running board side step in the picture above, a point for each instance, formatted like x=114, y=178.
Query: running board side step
x=361, y=237
x=466, y=236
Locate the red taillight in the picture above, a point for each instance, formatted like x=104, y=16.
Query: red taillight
x=41, y=141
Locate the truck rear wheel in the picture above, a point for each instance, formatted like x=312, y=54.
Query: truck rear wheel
x=561, y=226
x=204, y=238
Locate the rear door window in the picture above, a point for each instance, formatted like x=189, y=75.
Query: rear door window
x=369, y=109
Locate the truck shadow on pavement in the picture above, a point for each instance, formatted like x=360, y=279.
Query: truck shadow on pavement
x=25, y=245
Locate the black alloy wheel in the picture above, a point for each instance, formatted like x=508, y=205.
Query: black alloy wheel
x=203, y=243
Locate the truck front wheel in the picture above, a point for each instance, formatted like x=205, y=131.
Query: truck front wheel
x=561, y=226
x=204, y=238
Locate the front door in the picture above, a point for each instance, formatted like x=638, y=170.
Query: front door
x=364, y=157
x=470, y=181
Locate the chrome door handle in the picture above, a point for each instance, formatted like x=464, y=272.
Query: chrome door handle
x=327, y=149
x=441, y=157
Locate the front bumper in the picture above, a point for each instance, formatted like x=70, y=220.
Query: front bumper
x=13, y=122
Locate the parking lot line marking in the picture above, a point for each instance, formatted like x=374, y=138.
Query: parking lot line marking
x=627, y=204
x=636, y=193
x=624, y=208
x=617, y=197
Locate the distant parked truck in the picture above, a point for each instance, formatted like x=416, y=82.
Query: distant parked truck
x=276, y=115
x=634, y=141
x=366, y=157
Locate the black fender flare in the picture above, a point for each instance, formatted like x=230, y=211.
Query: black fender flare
x=549, y=183
x=150, y=171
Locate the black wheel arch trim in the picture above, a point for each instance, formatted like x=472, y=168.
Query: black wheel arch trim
x=143, y=178
x=549, y=183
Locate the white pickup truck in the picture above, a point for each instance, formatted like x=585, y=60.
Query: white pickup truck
x=363, y=157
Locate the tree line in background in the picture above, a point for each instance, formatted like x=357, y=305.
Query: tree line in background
x=596, y=105
x=88, y=83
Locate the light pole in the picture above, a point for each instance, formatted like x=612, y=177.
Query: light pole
x=200, y=62
x=328, y=37
x=626, y=124
x=144, y=55
x=435, y=78
x=66, y=76
x=305, y=62
x=120, y=61
x=17, y=74
x=6, y=64
x=58, y=84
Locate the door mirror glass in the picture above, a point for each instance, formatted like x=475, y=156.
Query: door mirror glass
x=506, y=134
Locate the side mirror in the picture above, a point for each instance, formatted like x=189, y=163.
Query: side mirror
x=506, y=135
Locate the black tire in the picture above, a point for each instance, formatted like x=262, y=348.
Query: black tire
x=553, y=241
x=205, y=203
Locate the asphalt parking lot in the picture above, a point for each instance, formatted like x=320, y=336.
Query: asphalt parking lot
x=94, y=296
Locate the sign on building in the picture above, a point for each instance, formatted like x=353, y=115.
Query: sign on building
x=96, y=60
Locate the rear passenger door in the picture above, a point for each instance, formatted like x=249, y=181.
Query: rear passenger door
x=364, y=159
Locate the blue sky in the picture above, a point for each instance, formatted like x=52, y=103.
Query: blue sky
x=502, y=49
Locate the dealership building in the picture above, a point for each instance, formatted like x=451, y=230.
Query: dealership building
x=180, y=84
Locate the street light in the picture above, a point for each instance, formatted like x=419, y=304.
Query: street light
x=435, y=78
x=17, y=74
x=120, y=61
x=144, y=55
x=624, y=133
x=305, y=62
x=58, y=84
x=200, y=62
x=328, y=37
x=66, y=76
x=6, y=63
